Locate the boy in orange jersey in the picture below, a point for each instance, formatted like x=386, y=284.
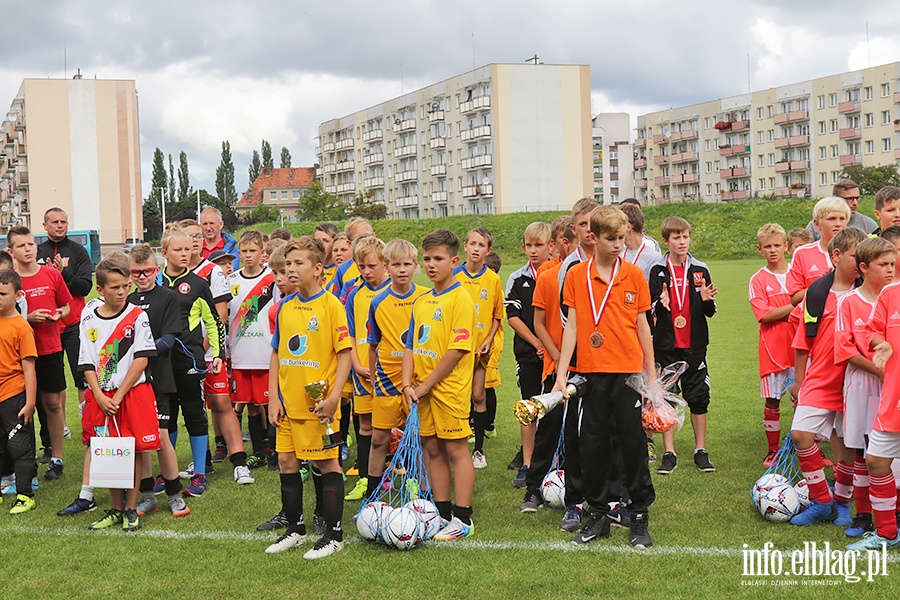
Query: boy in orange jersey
x=771, y=305
x=560, y=235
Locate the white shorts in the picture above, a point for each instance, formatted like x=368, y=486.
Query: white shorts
x=776, y=385
x=818, y=421
x=884, y=444
x=862, y=394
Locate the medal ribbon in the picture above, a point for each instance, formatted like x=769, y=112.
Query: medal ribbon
x=533, y=272
x=636, y=256
x=680, y=292
x=597, y=314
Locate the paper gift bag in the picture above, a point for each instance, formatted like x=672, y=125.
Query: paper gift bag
x=112, y=462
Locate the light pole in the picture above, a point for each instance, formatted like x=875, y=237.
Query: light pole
x=162, y=204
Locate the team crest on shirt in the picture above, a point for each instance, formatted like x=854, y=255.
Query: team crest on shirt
x=235, y=289
x=698, y=279
x=313, y=324
x=630, y=298
x=128, y=332
x=92, y=334
x=484, y=294
x=185, y=288
x=438, y=315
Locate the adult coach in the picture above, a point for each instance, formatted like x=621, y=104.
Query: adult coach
x=74, y=263
x=849, y=191
x=214, y=238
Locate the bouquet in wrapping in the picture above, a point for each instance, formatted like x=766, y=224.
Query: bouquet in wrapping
x=662, y=409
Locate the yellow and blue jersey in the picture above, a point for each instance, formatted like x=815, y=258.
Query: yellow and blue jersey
x=358, y=302
x=486, y=291
x=388, y=331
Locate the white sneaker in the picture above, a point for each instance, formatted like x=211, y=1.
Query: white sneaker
x=8, y=482
x=324, y=547
x=289, y=540
x=455, y=530
x=187, y=473
x=147, y=505
x=242, y=475
x=66, y=433
x=479, y=460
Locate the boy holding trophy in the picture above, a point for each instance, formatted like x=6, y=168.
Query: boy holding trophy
x=310, y=361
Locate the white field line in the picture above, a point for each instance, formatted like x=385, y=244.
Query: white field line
x=261, y=538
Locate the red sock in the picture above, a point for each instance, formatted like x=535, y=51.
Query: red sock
x=772, y=425
x=814, y=472
x=883, y=492
x=861, y=486
x=843, y=481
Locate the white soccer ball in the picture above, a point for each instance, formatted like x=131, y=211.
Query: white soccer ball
x=428, y=515
x=371, y=520
x=779, y=503
x=802, y=491
x=767, y=482
x=553, y=488
x=404, y=528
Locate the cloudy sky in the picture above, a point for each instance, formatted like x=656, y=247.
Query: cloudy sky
x=244, y=71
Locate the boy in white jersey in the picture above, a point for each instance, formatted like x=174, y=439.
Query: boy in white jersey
x=116, y=342
x=637, y=251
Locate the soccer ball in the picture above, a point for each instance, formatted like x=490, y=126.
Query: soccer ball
x=553, y=489
x=404, y=528
x=371, y=520
x=802, y=493
x=767, y=482
x=779, y=503
x=428, y=515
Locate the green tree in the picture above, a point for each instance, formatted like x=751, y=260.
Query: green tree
x=261, y=213
x=318, y=205
x=172, y=196
x=872, y=179
x=225, y=178
x=364, y=206
x=184, y=178
x=285, y=158
x=151, y=209
x=159, y=179
x=255, y=167
x=266, y=152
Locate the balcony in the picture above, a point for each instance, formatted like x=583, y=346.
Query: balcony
x=329, y=147
x=640, y=143
x=684, y=157
x=896, y=124
x=732, y=172
x=685, y=178
x=791, y=117
x=21, y=178
x=792, y=141
x=435, y=116
x=373, y=135
x=440, y=197
x=373, y=159
x=437, y=142
x=734, y=150
x=475, y=162
x=641, y=184
x=438, y=170
x=661, y=159
x=329, y=169
x=659, y=138
x=20, y=150
x=402, y=151
x=897, y=153
x=740, y=125
x=660, y=181
x=792, y=192
x=404, y=125
x=793, y=165
x=346, y=188
x=403, y=176
x=346, y=165
x=406, y=201
x=687, y=134
x=850, y=159
x=851, y=133
x=480, y=103
x=331, y=189
x=734, y=195
x=344, y=144
x=846, y=108
x=468, y=135
x=373, y=182
x=640, y=163
x=474, y=191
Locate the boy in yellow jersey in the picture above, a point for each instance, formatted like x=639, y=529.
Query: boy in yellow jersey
x=437, y=374
x=310, y=343
x=486, y=290
x=492, y=371
x=388, y=330
x=346, y=275
x=367, y=254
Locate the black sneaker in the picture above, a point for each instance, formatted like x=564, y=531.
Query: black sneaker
x=220, y=454
x=54, y=471
x=701, y=459
x=532, y=503
x=667, y=464
x=273, y=461
x=45, y=458
x=255, y=461
x=279, y=521
x=516, y=463
x=597, y=526
x=619, y=516
x=319, y=525
x=640, y=531
x=79, y=505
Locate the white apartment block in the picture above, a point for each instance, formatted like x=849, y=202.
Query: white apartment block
x=789, y=141
x=501, y=138
x=613, y=158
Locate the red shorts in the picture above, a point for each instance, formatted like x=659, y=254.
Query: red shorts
x=135, y=418
x=216, y=384
x=250, y=386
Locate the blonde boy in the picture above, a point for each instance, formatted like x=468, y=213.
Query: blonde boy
x=810, y=262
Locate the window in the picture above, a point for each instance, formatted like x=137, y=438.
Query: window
x=885, y=117
x=867, y=92
x=834, y=125
x=771, y=159
x=284, y=195
x=613, y=154
x=834, y=151
x=823, y=178
x=870, y=147
x=885, y=144
x=885, y=90
x=832, y=99
x=822, y=153
x=762, y=160
x=821, y=101
x=762, y=183
x=273, y=195
x=869, y=119
x=760, y=112
x=707, y=145
x=770, y=110
x=709, y=167
x=771, y=183
x=706, y=123
x=834, y=176
x=821, y=126
x=852, y=95
x=761, y=137
x=295, y=194
x=771, y=135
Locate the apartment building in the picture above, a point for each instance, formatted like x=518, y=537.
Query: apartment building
x=789, y=141
x=501, y=138
x=613, y=157
x=75, y=144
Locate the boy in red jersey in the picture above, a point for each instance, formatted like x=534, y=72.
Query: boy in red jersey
x=811, y=261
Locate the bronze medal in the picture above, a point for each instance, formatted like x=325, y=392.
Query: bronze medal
x=596, y=339
x=680, y=322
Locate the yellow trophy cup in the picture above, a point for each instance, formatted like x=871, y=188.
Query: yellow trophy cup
x=534, y=408
x=317, y=390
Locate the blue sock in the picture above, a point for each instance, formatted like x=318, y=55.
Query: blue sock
x=199, y=445
x=173, y=437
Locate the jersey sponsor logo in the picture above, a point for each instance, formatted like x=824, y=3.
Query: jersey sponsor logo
x=404, y=336
x=630, y=298
x=423, y=333
x=526, y=285
x=297, y=344
x=461, y=334
x=343, y=333
x=289, y=362
x=149, y=438
x=814, y=269
x=769, y=288
x=859, y=322
x=313, y=324
x=185, y=288
x=423, y=352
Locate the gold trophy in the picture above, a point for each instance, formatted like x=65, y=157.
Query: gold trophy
x=530, y=410
x=317, y=390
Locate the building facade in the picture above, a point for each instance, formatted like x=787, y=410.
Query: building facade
x=501, y=138
x=789, y=141
x=280, y=188
x=613, y=158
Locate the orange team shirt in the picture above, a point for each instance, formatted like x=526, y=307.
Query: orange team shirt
x=546, y=297
x=823, y=385
x=768, y=292
x=630, y=297
x=853, y=313
x=885, y=323
x=550, y=264
x=16, y=343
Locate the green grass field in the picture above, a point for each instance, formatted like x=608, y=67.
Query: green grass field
x=699, y=522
